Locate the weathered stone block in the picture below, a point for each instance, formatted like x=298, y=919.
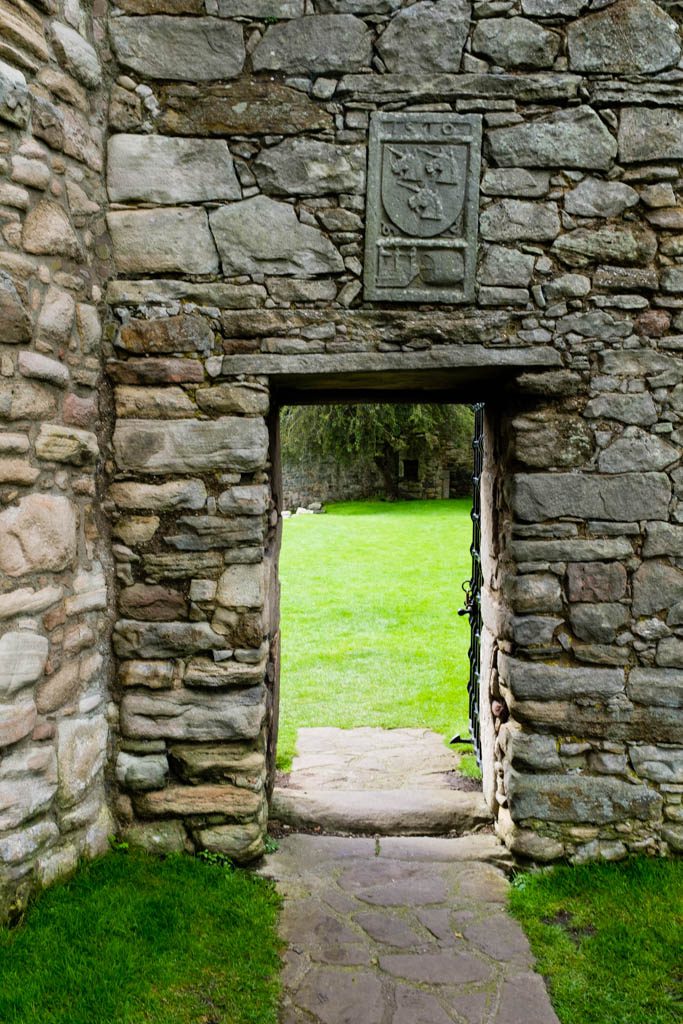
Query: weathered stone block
x=623, y=498
x=47, y=231
x=512, y=220
x=241, y=398
x=634, y=409
x=241, y=586
x=574, y=138
x=181, y=333
x=160, y=497
x=250, y=106
x=202, y=533
x=596, y=581
x=241, y=843
x=656, y=585
x=195, y=49
x=250, y=499
x=159, y=837
x=310, y=167
x=217, y=763
x=660, y=764
x=560, y=441
x=21, y=846
x=598, y=623
x=14, y=96
x=16, y=721
x=638, y=451
x=168, y=403
x=536, y=592
x=28, y=783
x=185, y=446
x=225, y=801
x=66, y=444
x=661, y=687
x=631, y=37
x=16, y=325
x=162, y=241
x=571, y=550
x=504, y=266
x=262, y=236
x=577, y=798
x=426, y=38
x=164, y=639
x=23, y=655
x=159, y=169
x=81, y=753
x=616, y=243
x=515, y=42
x=38, y=534
x=222, y=675
x=155, y=675
x=194, y=715
x=650, y=134
x=595, y=198
x=670, y=652
x=663, y=539
x=320, y=44
x=76, y=54
x=530, y=751
x=141, y=774
x=151, y=603
x=532, y=681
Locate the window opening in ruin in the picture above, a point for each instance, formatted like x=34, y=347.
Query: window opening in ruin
x=370, y=590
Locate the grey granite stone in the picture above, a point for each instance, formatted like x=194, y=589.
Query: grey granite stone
x=157, y=169
x=192, y=49
x=262, y=236
x=630, y=37
x=516, y=42
x=426, y=38
x=186, y=446
x=310, y=167
x=623, y=497
x=574, y=138
x=318, y=45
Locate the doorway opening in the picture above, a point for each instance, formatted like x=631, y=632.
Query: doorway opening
x=375, y=678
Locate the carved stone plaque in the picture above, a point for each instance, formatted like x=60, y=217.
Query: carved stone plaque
x=422, y=207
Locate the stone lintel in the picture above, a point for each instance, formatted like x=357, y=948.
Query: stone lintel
x=446, y=87
x=436, y=369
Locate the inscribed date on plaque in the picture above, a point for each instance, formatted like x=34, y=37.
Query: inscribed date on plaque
x=422, y=207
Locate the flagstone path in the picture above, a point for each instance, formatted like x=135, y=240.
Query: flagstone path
x=402, y=931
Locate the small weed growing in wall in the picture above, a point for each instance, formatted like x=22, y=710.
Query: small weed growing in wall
x=139, y=940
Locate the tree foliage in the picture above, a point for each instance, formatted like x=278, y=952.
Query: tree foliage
x=376, y=433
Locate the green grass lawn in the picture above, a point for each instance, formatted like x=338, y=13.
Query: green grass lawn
x=609, y=937
x=370, y=631
x=132, y=939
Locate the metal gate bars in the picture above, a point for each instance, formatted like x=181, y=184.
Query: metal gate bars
x=473, y=587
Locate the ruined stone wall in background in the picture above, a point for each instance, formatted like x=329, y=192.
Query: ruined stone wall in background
x=237, y=187
x=54, y=655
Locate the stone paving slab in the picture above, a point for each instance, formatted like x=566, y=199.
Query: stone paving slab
x=369, y=758
x=378, y=782
x=404, y=933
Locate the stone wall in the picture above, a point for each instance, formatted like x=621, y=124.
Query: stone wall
x=53, y=562
x=236, y=209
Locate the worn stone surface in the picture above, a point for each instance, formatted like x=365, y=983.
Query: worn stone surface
x=376, y=926
x=37, y=534
x=327, y=43
x=193, y=715
x=81, y=753
x=308, y=167
x=576, y=798
x=595, y=198
x=156, y=169
x=629, y=37
x=511, y=220
x=192, y=49
x=186, y=446
x=263, y=236
x=516, y=42
x=77, y=55
x=625, y=497
x=171, y=240
x=650, y=134
x=567, y=138
x=426, y=38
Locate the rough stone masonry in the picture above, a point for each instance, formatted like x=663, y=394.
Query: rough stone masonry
x=182, y=216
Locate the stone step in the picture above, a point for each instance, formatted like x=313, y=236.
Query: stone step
x=389, y=812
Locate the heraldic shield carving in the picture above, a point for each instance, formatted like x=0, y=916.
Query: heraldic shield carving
x=422, y=207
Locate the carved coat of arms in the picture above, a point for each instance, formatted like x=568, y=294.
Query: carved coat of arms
x=422, y=206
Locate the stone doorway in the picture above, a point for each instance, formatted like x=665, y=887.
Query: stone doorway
x=371, y=780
